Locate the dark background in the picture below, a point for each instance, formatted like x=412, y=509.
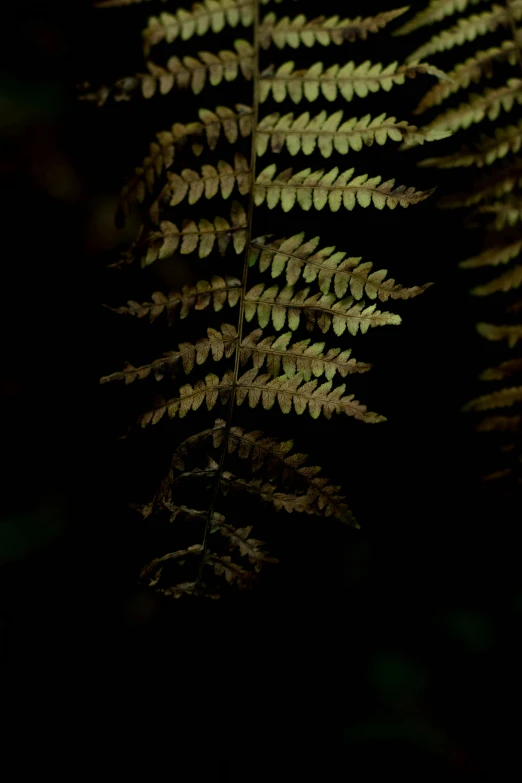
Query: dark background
x=393, y=649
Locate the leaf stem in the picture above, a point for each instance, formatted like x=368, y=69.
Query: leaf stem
x=241, y=319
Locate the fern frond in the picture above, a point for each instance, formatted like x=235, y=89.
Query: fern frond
x=317, y=189
x=191, y=72
x=347, y=80
x=239, y=538
x=277, y=459
x=435, y=12
x=218, y=292
x=286, y=305
x=495, y=333
x=509, y=281
x=224, y=122
x=502, y=370
x=494, y=256
x=212, y=181
x=267, y=492
x=234, y=574
x=328, y=133
x=196, y=549
x=472, y=70
x=292, y=392
x=499, y=183
x=487, y=105
x=295, y=32
x=200, y=236
x=187, y=73
x=499, y=399
x=218, y=344
x=507, y=213
x=506, y=140
x=288, y=392
x=207, y=391
x=304, y=357
x=468, y=29
x=221, y=565
x=263, y=370
x=215, y=15
x=236, y=537
x=205, y=16
x=297, y=257
x=270, y=453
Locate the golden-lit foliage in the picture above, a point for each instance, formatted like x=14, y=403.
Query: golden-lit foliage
x=282, y=346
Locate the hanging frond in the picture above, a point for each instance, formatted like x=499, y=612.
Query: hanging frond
x=236, y=537
x=293, y=393
x=265, y=490
x=347, y=80
x=214, y=15
x=512, y=333
x=506, y=213
x=218, y=344
x=282, y=306
x=435, y=12
x=494, y=256
x=295, y=257
x=230, y=124
x=276, y=458
x=213, y=180
x=204, y=16
x=218, y=292
x=288, y=392
x=239, y=538
x=201, y=236
x=263, y=370
x=190, y=398
x=503, y=398
x=222, y=565
x=304, y=357
x=193, y=72
x=317, y=189
x=268, y=493
x=327, y=133
x=188, y=73
x=234, y=574
x=506, y=140
x=498, y=183
x=322, y=30
x=195, y=549
x=468, y=29
x=479, y=107
x=472, y=70
x=509, y=281
x=153, y=571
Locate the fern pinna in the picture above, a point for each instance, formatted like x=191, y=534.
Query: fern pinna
x=268, y=291
x=489, y=171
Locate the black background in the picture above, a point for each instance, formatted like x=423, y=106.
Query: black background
x=393, y=649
